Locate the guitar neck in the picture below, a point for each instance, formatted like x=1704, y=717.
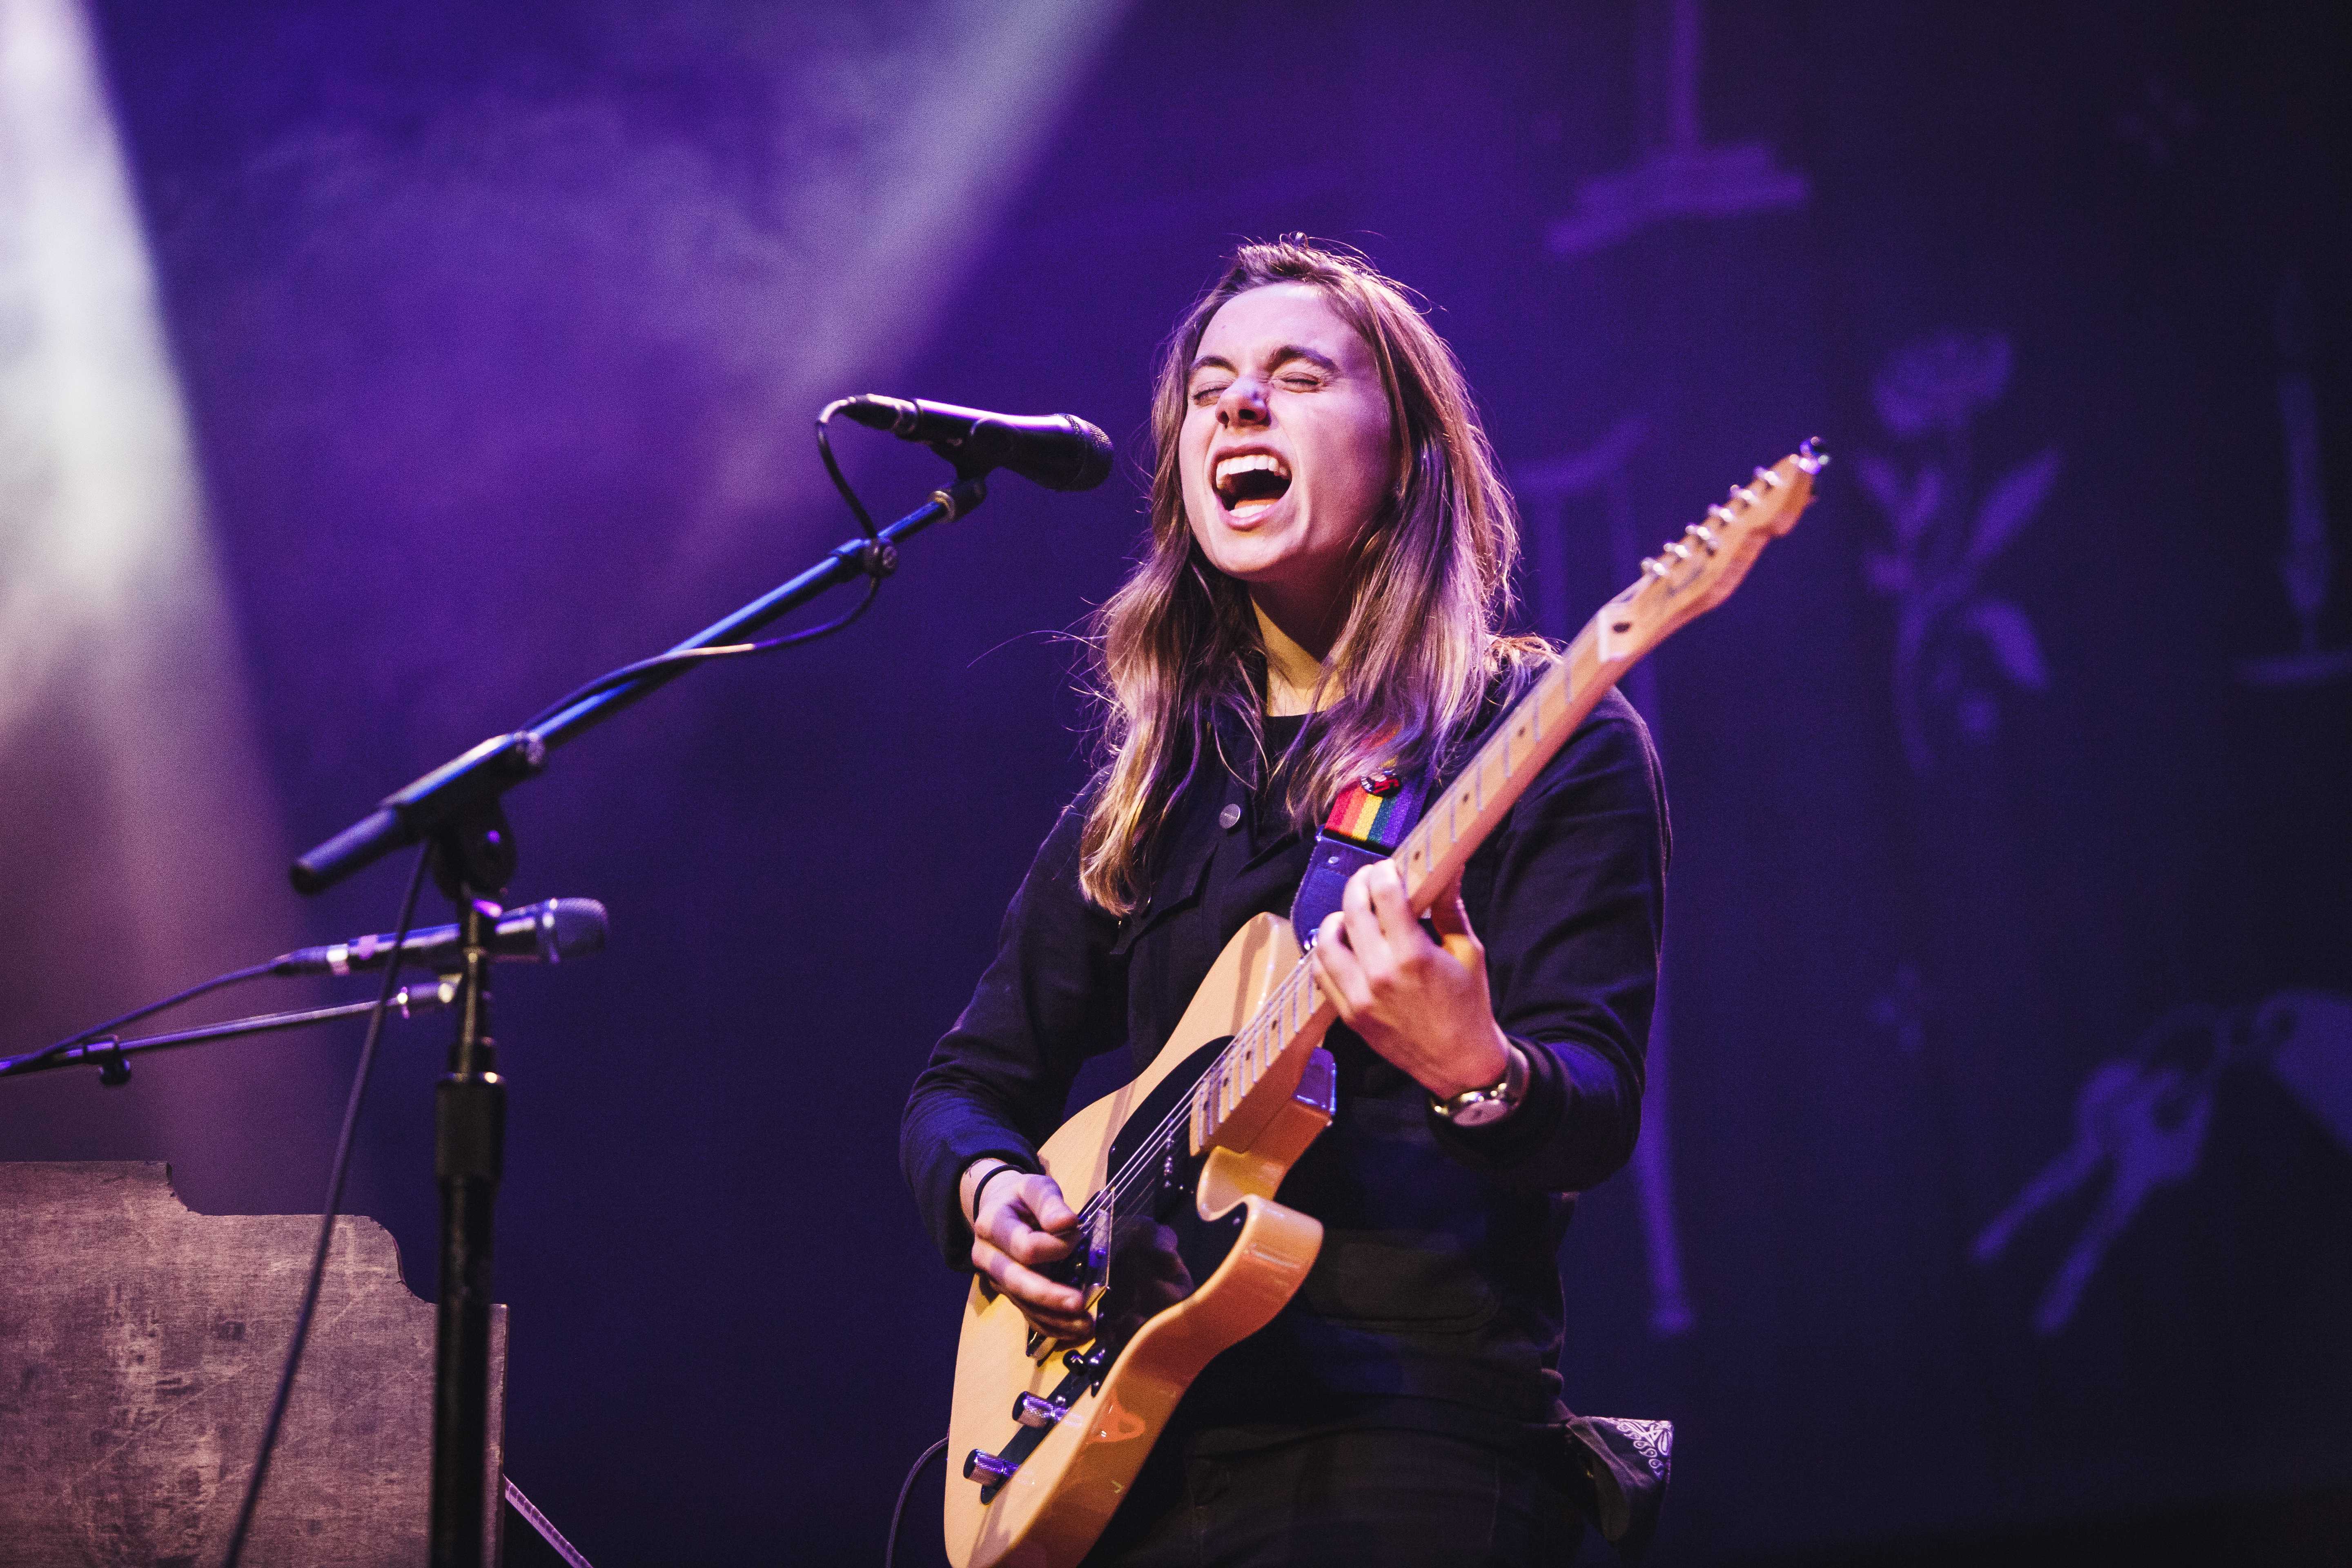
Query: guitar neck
x=1691, y=575
x=1459, y=820
x=1270, y=1052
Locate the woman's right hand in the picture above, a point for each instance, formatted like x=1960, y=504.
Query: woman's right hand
x=1023, y=1221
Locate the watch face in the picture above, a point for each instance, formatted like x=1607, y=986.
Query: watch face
x=1479, y=1112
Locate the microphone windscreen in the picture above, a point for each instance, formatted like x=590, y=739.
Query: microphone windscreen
x=1090, y=464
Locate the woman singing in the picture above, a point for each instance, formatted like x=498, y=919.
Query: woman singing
x=1329, y=559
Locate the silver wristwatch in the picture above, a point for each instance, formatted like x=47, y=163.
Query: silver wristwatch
x=1479, y=1106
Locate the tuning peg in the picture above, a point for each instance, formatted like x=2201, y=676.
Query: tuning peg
x=1746, y=497
x=1654, y=567
x=1768, y=480
x=1705, y=535
x=1810, y=455
x=1723, y=517
x=1677, y=549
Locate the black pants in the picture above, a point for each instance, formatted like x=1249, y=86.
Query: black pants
x=1351, y=1499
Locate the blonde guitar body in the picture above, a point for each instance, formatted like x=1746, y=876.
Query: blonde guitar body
x=1180, y=1247
x=1067, y=1485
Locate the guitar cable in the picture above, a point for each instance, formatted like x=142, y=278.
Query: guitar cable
x=899, y=1511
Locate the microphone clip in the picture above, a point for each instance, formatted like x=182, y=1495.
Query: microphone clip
x=474, y=853
x=113, y=1067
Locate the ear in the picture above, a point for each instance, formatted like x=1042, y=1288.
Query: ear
x=1410, y=458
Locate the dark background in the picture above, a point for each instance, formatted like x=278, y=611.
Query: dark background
x=498, y=329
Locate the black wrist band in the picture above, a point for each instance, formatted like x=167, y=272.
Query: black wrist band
x=991, y=1175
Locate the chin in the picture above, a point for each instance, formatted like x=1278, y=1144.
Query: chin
x=1239, y=559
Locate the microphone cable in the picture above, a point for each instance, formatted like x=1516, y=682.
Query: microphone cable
x=327, y=1219
x=25, y=1063
x=876, y=558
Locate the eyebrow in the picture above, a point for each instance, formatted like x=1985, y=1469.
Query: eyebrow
x=1280, y=356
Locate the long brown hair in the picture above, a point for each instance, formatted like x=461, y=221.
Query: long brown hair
x=1426, y=592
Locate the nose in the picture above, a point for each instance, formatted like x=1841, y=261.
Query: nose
x=1243, y=405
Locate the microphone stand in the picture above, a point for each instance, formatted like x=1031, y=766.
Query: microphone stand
x=456, y=808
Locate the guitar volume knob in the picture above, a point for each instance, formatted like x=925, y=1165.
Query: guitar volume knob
x=989, y=1470
x=1032, y=1411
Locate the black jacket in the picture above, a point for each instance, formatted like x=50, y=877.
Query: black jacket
x=1438, y=1279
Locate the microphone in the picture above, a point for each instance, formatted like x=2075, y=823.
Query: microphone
x=545, y=933
x=1059, y=451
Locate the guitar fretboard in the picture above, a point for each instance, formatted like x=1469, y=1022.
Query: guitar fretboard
x=1274, y=1043
x=1690, y=575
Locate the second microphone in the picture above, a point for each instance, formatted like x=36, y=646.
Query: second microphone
x=546, y=932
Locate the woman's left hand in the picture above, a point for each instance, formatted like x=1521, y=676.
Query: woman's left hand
x=1423, y=1005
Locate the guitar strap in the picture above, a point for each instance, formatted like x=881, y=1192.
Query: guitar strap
x=1366, y=823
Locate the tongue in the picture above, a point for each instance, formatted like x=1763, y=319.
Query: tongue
x=1254, y=492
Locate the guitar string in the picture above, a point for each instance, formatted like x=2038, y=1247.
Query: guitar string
x=1150, y=1152
x=1279, y=1002
x=1141, y=1163
x=1285, y=997
x=1154, y=1149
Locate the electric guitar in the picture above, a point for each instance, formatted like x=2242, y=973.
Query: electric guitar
x=1181, y=1247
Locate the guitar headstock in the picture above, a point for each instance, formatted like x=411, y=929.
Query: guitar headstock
x=1695, y=574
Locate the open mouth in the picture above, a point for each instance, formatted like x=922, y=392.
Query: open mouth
x=1251, y=482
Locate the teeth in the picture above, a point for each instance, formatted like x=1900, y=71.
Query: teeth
x=1248, y=462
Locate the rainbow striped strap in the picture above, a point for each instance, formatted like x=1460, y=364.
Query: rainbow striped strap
x=1377, y=811
x=1366, y=823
